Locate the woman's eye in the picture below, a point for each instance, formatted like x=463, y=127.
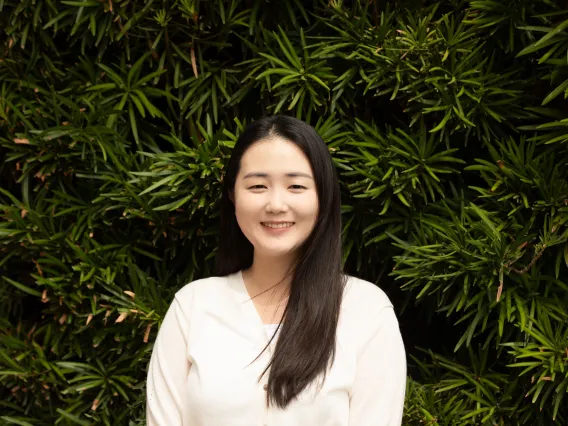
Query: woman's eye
x=295, y=187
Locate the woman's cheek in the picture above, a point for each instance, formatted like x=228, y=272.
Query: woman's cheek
x=248, y=209
x=309, y=206
x=252, y=204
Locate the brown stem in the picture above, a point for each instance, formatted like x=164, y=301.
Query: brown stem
x=531, y=264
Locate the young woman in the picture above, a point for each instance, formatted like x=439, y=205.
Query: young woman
x=280, y=336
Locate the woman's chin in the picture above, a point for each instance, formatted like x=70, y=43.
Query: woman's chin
x=275, y=250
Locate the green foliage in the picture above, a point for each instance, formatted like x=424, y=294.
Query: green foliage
x=448, y=125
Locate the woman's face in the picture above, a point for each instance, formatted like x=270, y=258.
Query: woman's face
x=276, y=202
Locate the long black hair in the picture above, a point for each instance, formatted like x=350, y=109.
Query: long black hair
x=306, y=346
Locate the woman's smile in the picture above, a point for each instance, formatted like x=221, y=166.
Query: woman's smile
x=277, y=228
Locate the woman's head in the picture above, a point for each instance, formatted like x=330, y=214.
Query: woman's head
x=280, y=175
x=281, y=170
x=275, y=197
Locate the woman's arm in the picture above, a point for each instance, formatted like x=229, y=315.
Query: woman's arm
x=169, y=367
x=377, y=397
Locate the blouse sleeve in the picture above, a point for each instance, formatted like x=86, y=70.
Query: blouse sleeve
x=169, y=367
x=377, y=397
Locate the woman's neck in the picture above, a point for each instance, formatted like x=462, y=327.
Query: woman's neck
x=266, y=279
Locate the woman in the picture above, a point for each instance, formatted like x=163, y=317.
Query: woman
x=280, y=336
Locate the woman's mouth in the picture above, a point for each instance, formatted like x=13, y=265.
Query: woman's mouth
x=277, y=225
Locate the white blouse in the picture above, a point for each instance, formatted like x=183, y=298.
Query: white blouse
x=200, y=371
x=271, y=329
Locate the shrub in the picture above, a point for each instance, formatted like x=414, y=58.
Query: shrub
x=447, y=122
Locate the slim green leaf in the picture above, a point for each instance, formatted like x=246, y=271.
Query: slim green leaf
x=22, y=287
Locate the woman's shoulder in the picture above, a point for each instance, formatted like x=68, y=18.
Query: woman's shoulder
x=364, y=296
x=365, y=309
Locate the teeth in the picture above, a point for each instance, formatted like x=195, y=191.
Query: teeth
x=278, y=225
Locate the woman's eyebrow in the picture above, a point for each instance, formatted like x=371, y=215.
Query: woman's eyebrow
x=265, y=175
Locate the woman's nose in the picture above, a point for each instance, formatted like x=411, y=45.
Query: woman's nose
x=276, y=202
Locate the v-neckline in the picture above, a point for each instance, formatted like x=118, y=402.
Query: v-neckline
x=243, y=289
x=247, y=305
x=250, y=314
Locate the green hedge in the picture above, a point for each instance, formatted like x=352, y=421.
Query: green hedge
x=448, y=123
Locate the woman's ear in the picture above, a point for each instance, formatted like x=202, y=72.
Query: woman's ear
x=232, y=196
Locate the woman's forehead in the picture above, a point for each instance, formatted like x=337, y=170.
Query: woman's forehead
x=275, y=156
